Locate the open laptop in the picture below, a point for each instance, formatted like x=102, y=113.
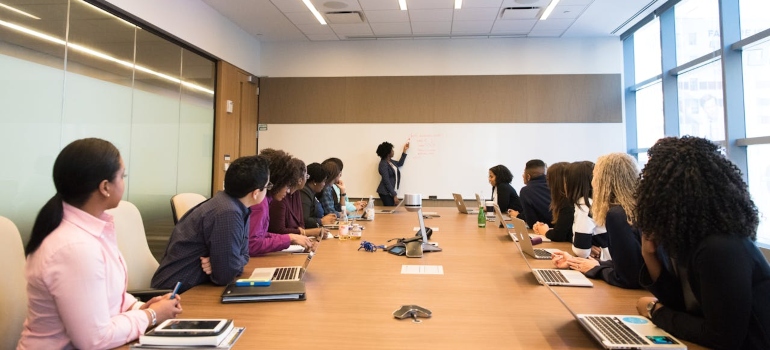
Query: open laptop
x=460, y=203
x=391, y=211
x=282, y=274
x=525, y=242
x=514, y=226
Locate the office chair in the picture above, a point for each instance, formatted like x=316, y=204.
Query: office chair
x=13, y=292
x=182, y=202
x=132, y=242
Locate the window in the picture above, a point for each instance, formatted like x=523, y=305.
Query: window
x=697, y=29
x=754, y=16
x=649, y=115
x=759, y=186
x=701, y=110
x=647, y=63
x=756, y=89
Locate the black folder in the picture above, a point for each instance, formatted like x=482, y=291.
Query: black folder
x=276, y=291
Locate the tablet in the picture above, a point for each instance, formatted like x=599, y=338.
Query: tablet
x=191, y=327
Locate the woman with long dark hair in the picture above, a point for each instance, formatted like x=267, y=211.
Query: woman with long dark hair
x=503, y=194
x=698, y=222
x=562, y=209
x=76, y=277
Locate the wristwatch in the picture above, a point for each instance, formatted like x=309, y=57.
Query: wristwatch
x=651, y=308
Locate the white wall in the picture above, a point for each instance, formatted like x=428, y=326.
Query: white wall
x=442, y=57
x=198, y=24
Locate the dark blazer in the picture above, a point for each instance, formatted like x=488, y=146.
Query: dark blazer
x=309, y=208
x=388, y=183
x=535, y=200
x=507, y=198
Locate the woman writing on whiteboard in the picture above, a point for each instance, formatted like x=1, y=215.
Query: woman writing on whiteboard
x=76, y=276
x=391, y=175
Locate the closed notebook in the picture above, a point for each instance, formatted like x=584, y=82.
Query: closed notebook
x=285, y=291
x=187, y=339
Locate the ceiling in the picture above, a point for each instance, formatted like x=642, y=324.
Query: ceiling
x=291, y=20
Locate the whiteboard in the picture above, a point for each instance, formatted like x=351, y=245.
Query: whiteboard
x=443, y=158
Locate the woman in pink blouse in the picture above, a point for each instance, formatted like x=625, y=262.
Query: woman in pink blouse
x=76, y=276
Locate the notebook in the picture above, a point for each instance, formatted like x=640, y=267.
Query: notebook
x=519, y=233
x=565, y=278
x=627, y=332
x=285, y=291
x=391, y=211
x=281, y=274
x=460, y=203
x=512, y=227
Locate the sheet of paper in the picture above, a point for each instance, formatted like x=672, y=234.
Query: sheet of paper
x=422, y=269
x=415, y=229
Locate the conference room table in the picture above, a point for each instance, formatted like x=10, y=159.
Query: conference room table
x=486, y=298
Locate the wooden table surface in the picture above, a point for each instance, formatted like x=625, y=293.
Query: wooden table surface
x=487, y=297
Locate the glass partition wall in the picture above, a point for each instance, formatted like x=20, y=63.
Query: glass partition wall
x=71, y=70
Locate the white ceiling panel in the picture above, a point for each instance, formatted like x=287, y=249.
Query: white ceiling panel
x=476, y=14
x=526, y=3
x=402, y=28
x=437, y=28
x=387, y=16
x=430, y=15
x=575, y=2
x=287, y=6
x=428, y=4
x=545, y=33
x=334, y=5
x=352, y=29
x=301, y=18
x=513, y=26
x=471, y=27
x=369, y=5
x=327, y=37
x=481, y=3
x=315, y=29
x=566, y=12
x=553, y=24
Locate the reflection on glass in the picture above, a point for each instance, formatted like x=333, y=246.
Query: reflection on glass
x=756, y=89
x=754, y=16
x=701, y=110
x=697, y=29
x=759, y=186
x=649, y=115
x=647, y=61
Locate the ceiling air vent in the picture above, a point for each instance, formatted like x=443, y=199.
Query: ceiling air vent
x=344, y=17
x=520, y=13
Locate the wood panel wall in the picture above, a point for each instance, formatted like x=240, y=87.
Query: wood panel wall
x=234, y=133
x=564, y=98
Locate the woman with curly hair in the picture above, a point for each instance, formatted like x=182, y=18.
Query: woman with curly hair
x=391, y=175
x=615, y=178
x=698, y=226
x=562, y=209
x=287, y=216
x=502, y=192
x=284, y=177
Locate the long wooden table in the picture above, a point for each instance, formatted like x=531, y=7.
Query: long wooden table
x=487, y=297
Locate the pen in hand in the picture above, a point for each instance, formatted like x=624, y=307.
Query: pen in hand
x=176, y=289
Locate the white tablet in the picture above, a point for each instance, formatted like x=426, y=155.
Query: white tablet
x=191, y=327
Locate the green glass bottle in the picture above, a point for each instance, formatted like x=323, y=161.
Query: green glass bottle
x=482, y=217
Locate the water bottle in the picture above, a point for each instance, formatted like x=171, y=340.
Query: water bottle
x=482, y=217
x=344, y=215
x=370, y=208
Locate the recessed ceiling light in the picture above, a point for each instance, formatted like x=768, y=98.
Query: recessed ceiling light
x=549, y=9
x=402, y=4
x=314, y=11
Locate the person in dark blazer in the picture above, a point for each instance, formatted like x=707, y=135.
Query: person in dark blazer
x=502, y=192
x=391, y=175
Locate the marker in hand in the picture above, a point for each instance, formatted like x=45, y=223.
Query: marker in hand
x=176, y=289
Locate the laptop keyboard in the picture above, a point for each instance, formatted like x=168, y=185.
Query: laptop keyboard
x=542, y=254
x=284, y=273
x=552, y=276
x=615, y=330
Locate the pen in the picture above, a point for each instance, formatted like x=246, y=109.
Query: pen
x=176, y=289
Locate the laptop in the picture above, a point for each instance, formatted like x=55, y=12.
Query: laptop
x=564, y=278
x=513, y=227
x=460, y=203
x=525, y=244
x=282, y=274
x=627, y=332
x=391, y=211
x=287, y=291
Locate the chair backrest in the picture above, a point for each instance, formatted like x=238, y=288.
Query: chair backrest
x=183, y=202
x=13, y=292
x=132, y=242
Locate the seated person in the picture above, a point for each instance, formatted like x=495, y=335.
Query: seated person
x=535, y=196
x=284, y=177
x=614, y=182
x=330, y=202
x=562, y=210
x=76, y=277
x=502, y=192
x=287, y=216
x=339, y=190
x=701, y=262
x=217, y=228
x=315, y=183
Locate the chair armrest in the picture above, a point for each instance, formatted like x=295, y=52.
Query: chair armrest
x=146, y=294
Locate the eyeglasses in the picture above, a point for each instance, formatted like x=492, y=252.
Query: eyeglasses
x=269, y=186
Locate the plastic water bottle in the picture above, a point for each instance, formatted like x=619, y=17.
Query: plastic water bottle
x=482, y=217
x=344, y=214
x=370, y=208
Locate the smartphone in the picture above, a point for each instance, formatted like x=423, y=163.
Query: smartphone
x=397, y=250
